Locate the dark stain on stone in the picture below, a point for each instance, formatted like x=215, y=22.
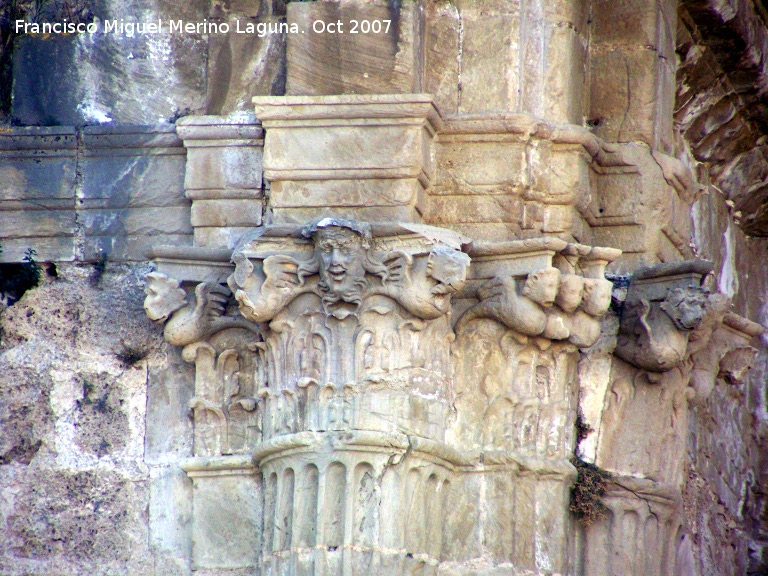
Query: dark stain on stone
x=220, y=77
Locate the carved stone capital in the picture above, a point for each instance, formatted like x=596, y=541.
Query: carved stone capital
x=332, y=326
x=668, y=315
x=344, y=268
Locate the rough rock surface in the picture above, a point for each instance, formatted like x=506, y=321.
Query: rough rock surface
x=74, y=369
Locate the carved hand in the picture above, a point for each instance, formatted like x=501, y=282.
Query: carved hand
x=499, y=300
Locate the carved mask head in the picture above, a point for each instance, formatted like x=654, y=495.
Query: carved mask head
x=448, y=266
x=164, y=296
x=686, y=306
x=541, y=286
x=597, y=296
x=341, y=255
x=570, y=292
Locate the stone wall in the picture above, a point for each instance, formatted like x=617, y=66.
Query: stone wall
x=548, y=139
x=82, y=194
x=78, y=361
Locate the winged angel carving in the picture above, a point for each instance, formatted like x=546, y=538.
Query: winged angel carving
x=345, y=268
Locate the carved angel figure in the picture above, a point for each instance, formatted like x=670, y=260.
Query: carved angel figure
x=549, y=304
x=522, y=309
x=188, y=322
x=423, y=287
x=345, y=268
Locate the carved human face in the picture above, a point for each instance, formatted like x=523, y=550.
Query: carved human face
x=597, y=296
x=341, y=254
x=448, y=266
x=541, y=286
x=686, y=307
x=570, y=293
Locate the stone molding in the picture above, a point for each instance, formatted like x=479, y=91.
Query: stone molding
x=310, y=167
x=592, y=199
x=223, y=177
x=30, y=139
x=112, y=140
x=78, y=194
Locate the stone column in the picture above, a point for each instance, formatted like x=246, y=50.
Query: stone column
x=516, y=354
x=406, y=412
x=674, y=340
x=641, y=533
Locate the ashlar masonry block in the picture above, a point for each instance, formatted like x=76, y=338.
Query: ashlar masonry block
x=37, y=192
x=349, y=154
x=223, y=177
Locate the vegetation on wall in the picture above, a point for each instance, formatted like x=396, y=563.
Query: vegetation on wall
x=591, y=483
x=18, y=277
x=587, y=492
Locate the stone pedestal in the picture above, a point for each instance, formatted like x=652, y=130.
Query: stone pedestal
x=227, y=512
x=641, y=533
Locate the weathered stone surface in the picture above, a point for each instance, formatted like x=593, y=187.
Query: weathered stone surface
x=361, y=400
x=355, y=60
x=52, y=98
x=717, y=102
x=110, y=77
x=242, y=65
x=488, y=43
x=442, y=62
x=25, y=414
x=563, y=78
x=98, y=191
x=227, y=519
x=64, y=520
x=627, y=86
x=74, y=356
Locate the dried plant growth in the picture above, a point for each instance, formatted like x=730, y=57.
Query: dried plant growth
x=587, y=493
